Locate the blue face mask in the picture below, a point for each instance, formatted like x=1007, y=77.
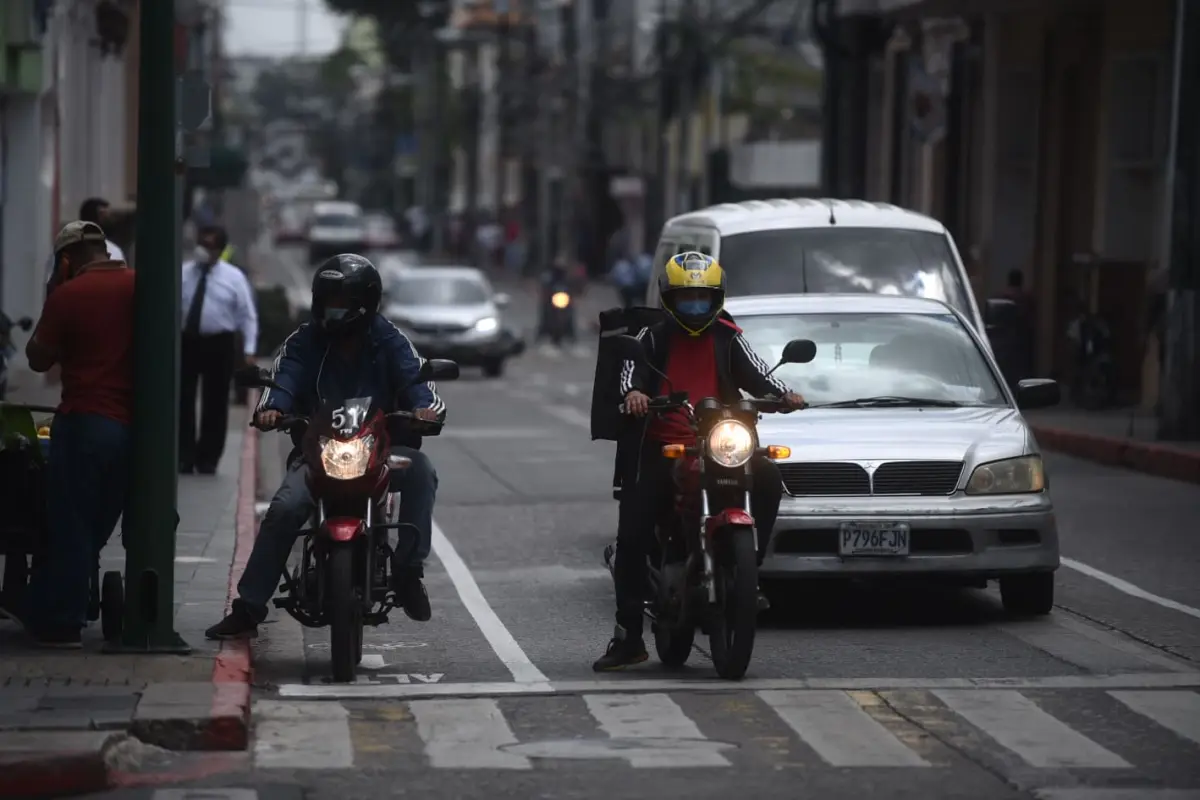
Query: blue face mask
x=693, y=308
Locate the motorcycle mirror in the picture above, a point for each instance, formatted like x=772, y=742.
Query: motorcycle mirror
x=797, y=351
x=629, y=348
x=251, y=377
x=438, y=369
x=25, y=323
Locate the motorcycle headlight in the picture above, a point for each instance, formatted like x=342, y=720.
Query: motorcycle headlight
x=487, y=325
x=560, y=300
x=1023, y=475
x=730, y=443
x=346, y=461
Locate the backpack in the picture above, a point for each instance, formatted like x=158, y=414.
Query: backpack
x=606, y=390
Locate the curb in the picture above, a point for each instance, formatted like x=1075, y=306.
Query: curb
x=1162, y=461
x=233, y=669
x=60, y=769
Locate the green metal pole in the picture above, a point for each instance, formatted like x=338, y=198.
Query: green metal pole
x=151, y=518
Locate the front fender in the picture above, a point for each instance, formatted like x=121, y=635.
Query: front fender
x=343, y=529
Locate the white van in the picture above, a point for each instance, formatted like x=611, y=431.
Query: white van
x=810, y=245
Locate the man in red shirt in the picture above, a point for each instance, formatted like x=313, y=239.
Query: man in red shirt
x=702, y=352
x=87, y=329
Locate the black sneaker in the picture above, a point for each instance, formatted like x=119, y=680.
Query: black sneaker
x=621, y=653
x=241, y=623
x=58, y=638
x=411, y=594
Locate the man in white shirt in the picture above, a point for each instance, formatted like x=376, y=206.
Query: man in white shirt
x=94, y=209
x=218, y=303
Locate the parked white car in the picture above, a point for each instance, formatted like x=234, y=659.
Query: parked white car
x=335, y=227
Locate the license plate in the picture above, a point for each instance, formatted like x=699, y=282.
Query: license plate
x=873, y=539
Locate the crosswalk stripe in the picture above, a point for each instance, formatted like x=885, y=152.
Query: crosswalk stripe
x=1018, y=724
x=465, y=734
x=652, y=717
x=1176, y=711
x=839, y=730
x=1114, y=793
x=302, y=736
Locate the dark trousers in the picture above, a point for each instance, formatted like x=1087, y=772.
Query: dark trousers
x=645, y=502
x=88, y=479
x=206, y=362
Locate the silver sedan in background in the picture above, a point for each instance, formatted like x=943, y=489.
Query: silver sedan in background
x=913, y=458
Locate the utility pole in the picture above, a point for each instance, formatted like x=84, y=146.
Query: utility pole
x=659, y=199
x=151, y=517
x=1179, y=406
x=683, y=187
x=471, y=118
x=533, y=111
x=570, y=162
x=503, y=101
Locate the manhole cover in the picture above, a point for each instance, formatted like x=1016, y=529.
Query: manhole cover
x=613, y=748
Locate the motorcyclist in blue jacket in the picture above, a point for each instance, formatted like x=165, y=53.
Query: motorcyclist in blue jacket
x=346, y=351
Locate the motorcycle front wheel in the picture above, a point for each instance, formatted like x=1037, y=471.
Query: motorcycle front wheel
x=735, y=614
x=345, y=615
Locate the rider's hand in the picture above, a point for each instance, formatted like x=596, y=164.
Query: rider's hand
x=794, y=400
x=267, y=419
x=637, y=403
x=427, y=414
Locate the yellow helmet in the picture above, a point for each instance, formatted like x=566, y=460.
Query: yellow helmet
x=692, y=290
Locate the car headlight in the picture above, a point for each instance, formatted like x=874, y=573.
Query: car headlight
x=487, y=325
x=346, y=461
x=730, y=443
x=1023, y=475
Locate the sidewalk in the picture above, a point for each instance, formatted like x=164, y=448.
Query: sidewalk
x=1119, y=438
x=70, y=719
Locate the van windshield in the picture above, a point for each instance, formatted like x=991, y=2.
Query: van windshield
x=843, y=260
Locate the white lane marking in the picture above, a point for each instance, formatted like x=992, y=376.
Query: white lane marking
x=651, y=717
x=1018, y=724
x=839, y=730
x=1178, y=712
x=302, y=736
x=498, y=636
x=205, y=794
x=465, y=734
x=1137, y=680
x=1097, y=793
x=372, y=661
x=1128, y=588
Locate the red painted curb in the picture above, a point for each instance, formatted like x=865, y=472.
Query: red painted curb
x=233, y=668
x=54, y=775
x=1162, y=461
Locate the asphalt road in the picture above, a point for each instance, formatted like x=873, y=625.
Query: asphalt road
x=900, y=694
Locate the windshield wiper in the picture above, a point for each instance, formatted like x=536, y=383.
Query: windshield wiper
x=893, y=401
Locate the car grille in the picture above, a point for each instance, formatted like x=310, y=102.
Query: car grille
x=916, y=477
x=843, y=479
x=438, y=330
x=833, y=479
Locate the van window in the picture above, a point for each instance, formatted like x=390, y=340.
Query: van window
x=844, y=260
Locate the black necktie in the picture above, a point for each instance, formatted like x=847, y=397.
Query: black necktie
x=192, y=326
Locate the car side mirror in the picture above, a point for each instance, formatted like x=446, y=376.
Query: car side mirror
x=438, y=369
x=1038, y=393
x=501, y=300
x=629, y=348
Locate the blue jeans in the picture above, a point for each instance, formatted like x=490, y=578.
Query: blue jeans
x=292, y=506
x=88, y=481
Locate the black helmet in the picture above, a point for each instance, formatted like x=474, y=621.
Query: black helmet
x=354, y=281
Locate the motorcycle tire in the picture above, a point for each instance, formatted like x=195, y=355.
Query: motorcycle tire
x=735, y=617
x=673, y=644
x=345, y=615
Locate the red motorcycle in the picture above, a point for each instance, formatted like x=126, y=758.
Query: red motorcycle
x=342, y=579
x=705, y=573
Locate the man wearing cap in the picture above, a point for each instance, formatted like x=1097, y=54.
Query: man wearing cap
x=94, y=209
x=86, y=329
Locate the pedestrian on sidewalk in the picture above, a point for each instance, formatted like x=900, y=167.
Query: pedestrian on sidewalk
x=86, y=328
x=220, y=304
x=94, y=210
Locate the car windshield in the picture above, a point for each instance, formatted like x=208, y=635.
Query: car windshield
x=850, y=260
x=877, y=355
x=338, y=221
x=424, y=291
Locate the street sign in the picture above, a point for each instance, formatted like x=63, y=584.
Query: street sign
x=195, y=100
